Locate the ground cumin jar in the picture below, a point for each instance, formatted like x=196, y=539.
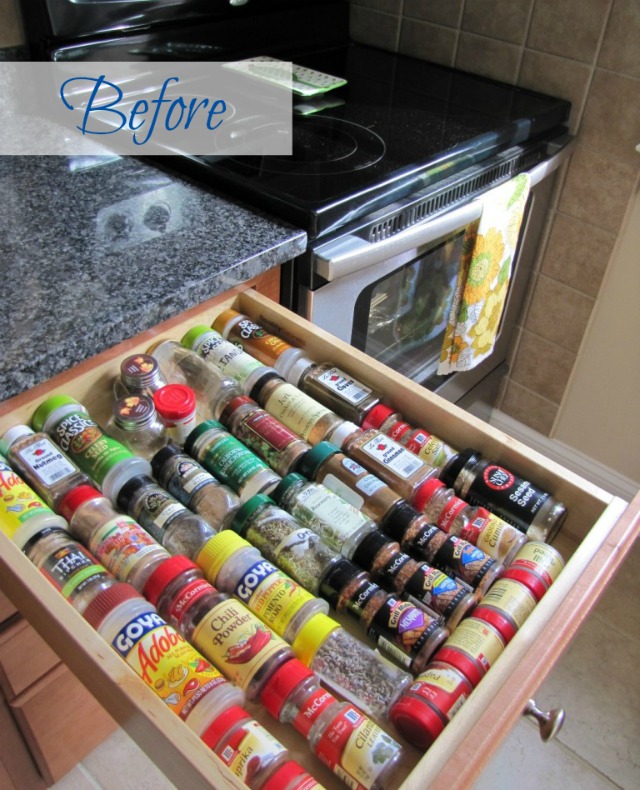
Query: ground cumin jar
x=537, y=565
x=506, y=606
x=472, y=649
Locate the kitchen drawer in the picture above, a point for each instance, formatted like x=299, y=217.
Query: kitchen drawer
x=24, y=658
x=17, y=769
x=7, y=609
x=597, y=533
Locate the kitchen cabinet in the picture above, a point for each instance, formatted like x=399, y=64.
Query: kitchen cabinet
x=598, y=532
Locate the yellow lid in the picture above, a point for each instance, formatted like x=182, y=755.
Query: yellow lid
x=221, y=320
x=311, y=636
x=217, y=550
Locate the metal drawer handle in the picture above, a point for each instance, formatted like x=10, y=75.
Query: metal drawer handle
x=550, y=722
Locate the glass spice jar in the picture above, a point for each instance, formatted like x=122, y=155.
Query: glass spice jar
x=296, y=550
x=117, y=541
x=349, y=743
x=176, y=407
x=350, y=668
x=230, y=461
x=276, y=444
x=220, y=627
x=140, y=374
x=194, y=487
x=174, y=526
x=236, y=567
x=136, y=423
x=339, y=524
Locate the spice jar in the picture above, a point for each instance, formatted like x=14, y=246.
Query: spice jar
x=334, y=388
x=121, y=545
x=140, y=374
x=192, y=688
x=338, y=523
x=350, y=668
x=229, y=358
x=174, y=526
x=135, y=423
x=536, y=565
x=404, y=632
x=304, y=415
x=506, y=606
x=472, y=649
x=519, y=502
x=425, y=445
x=276, y=444
x=191, y=484
x=42, y=465
x=220, y=627
x=291, y=776
x=350, y=744
x=236, y=567
x=399, y=468
x=296, y=550
x=176, y=406
x=230, y=461
x=107, y=462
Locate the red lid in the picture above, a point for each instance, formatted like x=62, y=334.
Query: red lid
x=277, y=689
x=416, y=721
x=530, y=579
x=376, y=416
x=425, y=492
x=174, y=401
x=503, y=624
x=234, y=404
x=107, y=600
x=72, y=500
x=223, y=724
x=286, y=774
x=471, y=669
x=165, y=573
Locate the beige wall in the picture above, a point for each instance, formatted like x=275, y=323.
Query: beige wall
x=587, y=51
x=10, y=32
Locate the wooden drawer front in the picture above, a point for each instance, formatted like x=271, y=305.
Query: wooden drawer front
x=17, y=769
x=61, y=722
x=24, y=658
x=7, y=609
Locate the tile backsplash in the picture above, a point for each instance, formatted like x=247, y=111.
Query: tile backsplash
x=587, y=53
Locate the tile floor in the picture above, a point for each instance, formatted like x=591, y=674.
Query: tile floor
x=597, y=682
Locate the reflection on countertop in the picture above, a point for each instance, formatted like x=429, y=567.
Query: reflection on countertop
x=97, y=249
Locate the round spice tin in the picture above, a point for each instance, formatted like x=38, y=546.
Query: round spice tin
x=537, y=565
x=472, y=649
x=506, y=606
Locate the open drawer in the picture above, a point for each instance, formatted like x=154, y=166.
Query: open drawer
x=596, y=535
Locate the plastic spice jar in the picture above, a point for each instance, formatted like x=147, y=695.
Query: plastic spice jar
x=295, y=549
x=248, y=750
x=107, y=462
x=220, y=627
x=334, y=388
x=536, y=565
x=304, y=415
x=230, y=461
x=429, y=705
x=192, y=688
x=276, y=444
x=506, y=606
x=194, y=487
x=291, y=776
x=236, y=567
x=521, y=503
x=140, y=374
x=350, y=668
x=407, y=634
x=229, y=358
x=42, y=465
x=472, y=649
x=425, y=445
x=348, y=742
x=340, y=525
x=135, y=423
x=121, y=545
x=174, y=526
x=176, y=406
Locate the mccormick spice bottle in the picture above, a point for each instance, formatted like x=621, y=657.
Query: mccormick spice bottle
x=135, y=423
x=291, y=776
x=176, y=407
x=517, y=501
x=43, y=465
x=194, y=487
x=350, y=744
x=220, y=627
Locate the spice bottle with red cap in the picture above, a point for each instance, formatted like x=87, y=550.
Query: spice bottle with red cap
x=472, y=649
x=176, y=407
x=536, y=566
x=228, y=634
x=506, y=606
x=291, y=776
x=136, y=423
x=116, y=540
x=355, y=748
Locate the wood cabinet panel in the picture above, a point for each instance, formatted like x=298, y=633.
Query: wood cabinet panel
x=24, y=658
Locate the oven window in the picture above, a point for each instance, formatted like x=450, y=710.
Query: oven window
x=400, y=319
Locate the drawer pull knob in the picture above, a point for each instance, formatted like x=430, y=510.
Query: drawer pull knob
x=550, y=722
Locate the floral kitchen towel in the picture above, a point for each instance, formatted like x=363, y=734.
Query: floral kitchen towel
x=488, y=249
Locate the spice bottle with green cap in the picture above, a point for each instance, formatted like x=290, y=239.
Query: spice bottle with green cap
x=107, y=462
x=194, y=487
x=230, y=461
x=42, y=465
x=135, y=423
x=355, y=748
x=262, y=433
x=236, y=567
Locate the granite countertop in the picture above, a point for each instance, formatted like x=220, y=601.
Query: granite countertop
x=96, y=249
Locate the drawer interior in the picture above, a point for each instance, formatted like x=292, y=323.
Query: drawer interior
x=592, y=514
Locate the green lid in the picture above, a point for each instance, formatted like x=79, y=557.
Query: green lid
x=189, y=340
x=244, y=513
x=312, y=459
x=199, y=430
x=47, y=407
x=285, y=484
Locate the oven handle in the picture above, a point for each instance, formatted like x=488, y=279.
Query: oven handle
x=351, y=253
